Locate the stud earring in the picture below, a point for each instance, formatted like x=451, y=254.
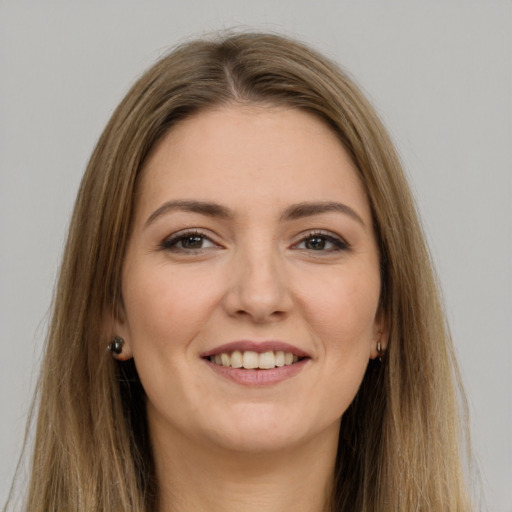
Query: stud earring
x=380, y=352
x=115, y=347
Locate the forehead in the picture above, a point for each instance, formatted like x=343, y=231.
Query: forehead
x=245, y=156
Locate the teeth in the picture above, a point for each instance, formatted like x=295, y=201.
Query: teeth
x=267, y=360
x=251, y=360
x=236, y=359
x=225, y=359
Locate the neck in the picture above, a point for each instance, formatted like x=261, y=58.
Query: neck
x=213, y=479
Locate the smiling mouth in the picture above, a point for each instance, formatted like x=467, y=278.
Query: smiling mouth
x=251, y=360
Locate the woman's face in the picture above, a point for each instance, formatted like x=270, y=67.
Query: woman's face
x=251, y=280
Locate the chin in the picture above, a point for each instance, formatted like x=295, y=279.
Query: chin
x=257, y=428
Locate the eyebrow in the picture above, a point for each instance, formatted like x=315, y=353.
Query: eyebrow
x=294, y=212
x=307, y=209
x=201, y=207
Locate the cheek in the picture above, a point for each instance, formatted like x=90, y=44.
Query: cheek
x=342, y=313
x=342, y=309
x=166, y=308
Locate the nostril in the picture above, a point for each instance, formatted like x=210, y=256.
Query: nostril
x=258, y=293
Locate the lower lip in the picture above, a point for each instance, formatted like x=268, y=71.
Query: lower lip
x=257, y=377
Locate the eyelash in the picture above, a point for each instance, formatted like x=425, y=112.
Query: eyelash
x=338, y=243
x=171, y=243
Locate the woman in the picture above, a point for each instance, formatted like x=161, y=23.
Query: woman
x=245, y=244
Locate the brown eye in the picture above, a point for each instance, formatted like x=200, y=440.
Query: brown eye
x=188, y=241
x=321, y=242
x=315, y=243
x=192, y=242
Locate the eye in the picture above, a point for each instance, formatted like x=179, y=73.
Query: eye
x=187, y=242
x=322, y=242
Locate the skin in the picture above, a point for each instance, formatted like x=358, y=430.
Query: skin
x=312, y=282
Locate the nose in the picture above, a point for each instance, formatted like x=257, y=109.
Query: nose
x=258, y=289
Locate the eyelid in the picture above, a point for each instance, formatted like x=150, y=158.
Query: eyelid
x=339, y=242
x=170, y=242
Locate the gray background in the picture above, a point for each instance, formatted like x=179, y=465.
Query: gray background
x=439, y=73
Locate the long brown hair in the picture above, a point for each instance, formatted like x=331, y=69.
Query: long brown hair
x=400, y=440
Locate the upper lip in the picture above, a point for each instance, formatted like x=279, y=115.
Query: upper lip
x=255, y=346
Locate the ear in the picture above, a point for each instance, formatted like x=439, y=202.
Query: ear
x=116, y=326
x=380, y=335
